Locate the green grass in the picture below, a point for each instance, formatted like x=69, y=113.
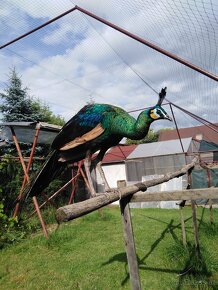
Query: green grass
x=88, y=253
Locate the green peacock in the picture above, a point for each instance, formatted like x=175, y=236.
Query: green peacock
x=96, y=127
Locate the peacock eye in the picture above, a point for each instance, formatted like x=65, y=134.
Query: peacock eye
x=158, y=112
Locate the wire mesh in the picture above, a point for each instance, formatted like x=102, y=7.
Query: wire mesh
x=76, y=58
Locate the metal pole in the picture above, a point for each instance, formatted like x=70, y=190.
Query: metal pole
x=28, y=168
x=196, y=117
x=56, y=193
x=19, y=153
x=40, y=217
x=177, y=129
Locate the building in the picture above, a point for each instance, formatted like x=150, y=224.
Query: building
x=113, y=165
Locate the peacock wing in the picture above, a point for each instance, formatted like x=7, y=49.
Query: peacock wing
x=94, y=133
x=83, y=127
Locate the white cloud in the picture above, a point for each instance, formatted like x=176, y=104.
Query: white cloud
x=78, y=63
x=41, y=8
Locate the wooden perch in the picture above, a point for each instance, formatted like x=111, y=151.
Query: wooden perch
x=72, y=211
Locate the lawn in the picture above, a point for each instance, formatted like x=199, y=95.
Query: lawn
x=88, y=253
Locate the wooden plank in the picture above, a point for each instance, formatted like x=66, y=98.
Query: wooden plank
x=190, y=194
x=129, y=240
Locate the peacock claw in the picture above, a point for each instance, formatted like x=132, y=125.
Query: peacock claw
x=108, y=190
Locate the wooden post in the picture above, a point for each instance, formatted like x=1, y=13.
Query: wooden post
x=194, y=217
x=184, y=241
x=210, y=201
x=129, y=240
x=40, y=217
x=211, y=211
x=195, y=226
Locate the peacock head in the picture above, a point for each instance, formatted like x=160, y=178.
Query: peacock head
x=157, y=112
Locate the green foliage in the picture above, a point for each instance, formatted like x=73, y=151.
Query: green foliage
x=10, y=230
x=10, y=181
x=45, y=114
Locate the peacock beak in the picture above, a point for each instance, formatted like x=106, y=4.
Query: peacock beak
x=167, y=117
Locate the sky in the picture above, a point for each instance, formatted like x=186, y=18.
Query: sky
x=77, y=59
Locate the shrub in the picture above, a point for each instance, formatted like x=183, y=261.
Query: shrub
x=10, y=230
x=10, y=182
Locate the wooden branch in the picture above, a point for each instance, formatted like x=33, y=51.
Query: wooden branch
x=73, y=211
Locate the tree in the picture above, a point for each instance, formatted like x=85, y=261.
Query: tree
x=19, y=106
x=45, y=114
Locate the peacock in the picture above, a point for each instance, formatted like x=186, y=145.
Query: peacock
x=95, y=128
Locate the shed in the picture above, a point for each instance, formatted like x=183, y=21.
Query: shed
x=25, y=131
x=153, y=160
x=159, y=158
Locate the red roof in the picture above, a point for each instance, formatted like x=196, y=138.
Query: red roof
x=118, y=153
x=198, y=132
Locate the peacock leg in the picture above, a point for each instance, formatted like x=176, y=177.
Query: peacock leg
x=96, y=163
x=87, y=165
x=106, y=185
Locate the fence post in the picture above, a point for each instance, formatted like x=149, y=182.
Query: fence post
x=129, y=239
x=195, y=226
x=194, y=217
x=184, y=241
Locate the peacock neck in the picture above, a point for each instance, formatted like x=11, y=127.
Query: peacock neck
x=141, y=126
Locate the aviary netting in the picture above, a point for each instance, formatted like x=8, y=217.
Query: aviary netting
x=107, y=65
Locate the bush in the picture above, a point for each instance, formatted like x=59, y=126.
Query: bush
x=10, y=230
x=10, y=182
